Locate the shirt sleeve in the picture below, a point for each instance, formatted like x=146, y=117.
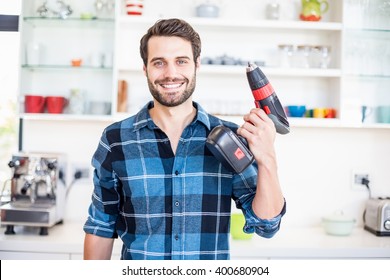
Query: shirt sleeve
x=263, y=227
x=103, y=211
x=244, y=190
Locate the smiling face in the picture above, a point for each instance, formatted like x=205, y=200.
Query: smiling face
x=170, y=70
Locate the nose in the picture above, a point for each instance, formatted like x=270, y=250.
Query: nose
x=170, y=70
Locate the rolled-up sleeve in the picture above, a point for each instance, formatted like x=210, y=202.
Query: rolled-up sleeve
x=263, y=227
x=244, y=191
x=103, y=211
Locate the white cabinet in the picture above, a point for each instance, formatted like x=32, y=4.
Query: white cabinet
x=50, y=49
x=367, y=61
x=241, y=33
x=223, y=89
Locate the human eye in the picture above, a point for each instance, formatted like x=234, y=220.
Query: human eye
x=158, y=63
x=182, y=61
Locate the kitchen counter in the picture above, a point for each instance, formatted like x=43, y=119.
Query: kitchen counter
x=65, y=241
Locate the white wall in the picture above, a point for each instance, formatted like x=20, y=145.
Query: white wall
x=315, y=166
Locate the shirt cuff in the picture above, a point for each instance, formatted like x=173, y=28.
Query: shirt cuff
x=263, y=227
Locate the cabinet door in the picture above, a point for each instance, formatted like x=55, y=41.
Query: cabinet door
x=367, y=62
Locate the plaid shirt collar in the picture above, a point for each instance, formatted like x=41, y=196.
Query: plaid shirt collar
x=143, y=119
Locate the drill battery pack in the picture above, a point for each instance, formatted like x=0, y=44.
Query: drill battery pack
x=229, y=149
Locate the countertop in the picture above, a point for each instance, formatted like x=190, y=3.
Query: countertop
x=67, y=239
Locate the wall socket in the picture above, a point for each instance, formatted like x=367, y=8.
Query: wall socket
x=79, y=170
x=357, y=179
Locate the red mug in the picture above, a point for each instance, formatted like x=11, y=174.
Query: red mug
x=56, y=104
x=134, y=7
x=34, y=104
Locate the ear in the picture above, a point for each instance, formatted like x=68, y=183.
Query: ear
x=144, y=69
x=197, y=63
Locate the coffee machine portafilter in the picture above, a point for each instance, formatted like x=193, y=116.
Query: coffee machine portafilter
x=38, y=192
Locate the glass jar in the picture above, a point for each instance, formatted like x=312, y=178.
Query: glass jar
x=76, y=102
x=324, y=56
x=319, y=57
x=302, y=56
x=285, y=55
x=272, y=11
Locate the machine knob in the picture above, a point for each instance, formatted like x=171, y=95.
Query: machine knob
x=14, y=163
x=51, y=165
x=386, y=224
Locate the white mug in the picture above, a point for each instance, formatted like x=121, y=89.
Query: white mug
x=33, y=53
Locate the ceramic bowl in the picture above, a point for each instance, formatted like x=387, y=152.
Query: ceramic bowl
x=296, y=111
x=338, y=224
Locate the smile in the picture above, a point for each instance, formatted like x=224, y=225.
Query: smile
x=171, y=86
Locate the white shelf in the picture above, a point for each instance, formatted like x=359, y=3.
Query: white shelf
x=66, y=117
x=239, y=23
x=240, y=69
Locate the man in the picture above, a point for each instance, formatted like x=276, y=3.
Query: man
x=157, y=186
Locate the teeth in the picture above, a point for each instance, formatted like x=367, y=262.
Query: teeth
x=171, y=86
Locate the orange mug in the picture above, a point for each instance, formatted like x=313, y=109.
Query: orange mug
x=34, y=103
x=56, y=104
x=330, y=113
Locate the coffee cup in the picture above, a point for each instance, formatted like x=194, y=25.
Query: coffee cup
x=319, y=113
x=329, y=113
x=34, y=103
x=134, y=7
x=383, y=114
x=33, y=53
x=368, y=114
x=237, y=223
x=56, y=104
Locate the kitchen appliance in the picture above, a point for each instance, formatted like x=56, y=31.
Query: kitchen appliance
x=376, y=216
x=38, y=192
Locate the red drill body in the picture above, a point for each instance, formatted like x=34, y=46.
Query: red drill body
x=266, y=98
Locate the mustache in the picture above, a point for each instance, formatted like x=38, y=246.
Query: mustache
x=169, y=80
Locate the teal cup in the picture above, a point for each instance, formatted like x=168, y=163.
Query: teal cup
x=383, y=114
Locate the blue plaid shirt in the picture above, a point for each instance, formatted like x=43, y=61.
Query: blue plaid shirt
x=167, y=206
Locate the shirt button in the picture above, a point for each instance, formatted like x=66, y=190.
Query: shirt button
x=177, y=203
x=176, y=172
x=176, y=237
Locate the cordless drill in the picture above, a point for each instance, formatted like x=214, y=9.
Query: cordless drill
x=266, y=99
x=232, y=150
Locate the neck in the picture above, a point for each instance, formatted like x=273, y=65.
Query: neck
x=173, y=118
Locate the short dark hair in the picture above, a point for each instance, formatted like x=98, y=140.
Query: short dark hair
x=171, y=27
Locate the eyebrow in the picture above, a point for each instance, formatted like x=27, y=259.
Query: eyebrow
x=162, y=58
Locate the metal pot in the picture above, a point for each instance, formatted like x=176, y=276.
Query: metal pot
x=207, y=10
x=338, y=224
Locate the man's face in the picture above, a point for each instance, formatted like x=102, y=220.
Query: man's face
x=170, y=70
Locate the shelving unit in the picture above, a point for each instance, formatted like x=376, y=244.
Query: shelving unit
x=58, y=42
x=258, y=40
x=221, y=89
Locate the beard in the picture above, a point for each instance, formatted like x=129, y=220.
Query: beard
x=167, y=100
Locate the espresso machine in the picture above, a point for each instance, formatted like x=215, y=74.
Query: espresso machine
x=38, y=192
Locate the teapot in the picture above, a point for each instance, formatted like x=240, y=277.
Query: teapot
x=208, y=10
x=312, y=10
